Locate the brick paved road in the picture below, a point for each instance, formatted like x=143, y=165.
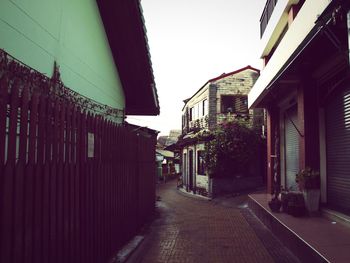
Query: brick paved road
x=193, y=230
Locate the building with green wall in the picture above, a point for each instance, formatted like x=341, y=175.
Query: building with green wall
x=91, y=62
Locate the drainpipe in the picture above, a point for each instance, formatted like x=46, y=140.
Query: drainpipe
x=348, y=16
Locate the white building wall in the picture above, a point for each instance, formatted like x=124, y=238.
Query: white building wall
x=300, y=28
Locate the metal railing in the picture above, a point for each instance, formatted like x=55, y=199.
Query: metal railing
x=265, y=17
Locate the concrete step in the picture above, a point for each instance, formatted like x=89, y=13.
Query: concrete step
x=311, y=239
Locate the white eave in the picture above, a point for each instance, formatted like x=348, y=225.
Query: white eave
x=299, y=30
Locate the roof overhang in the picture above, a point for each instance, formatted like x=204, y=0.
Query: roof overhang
x=165, y=153
x=126, y=33
x=224, y=75
x=143, y=130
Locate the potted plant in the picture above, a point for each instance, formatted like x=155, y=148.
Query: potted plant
x=308, y=181
x=296, y=204
x=275, y=203
x=284, y=199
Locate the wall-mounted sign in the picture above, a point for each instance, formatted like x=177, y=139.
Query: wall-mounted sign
x=91, y=141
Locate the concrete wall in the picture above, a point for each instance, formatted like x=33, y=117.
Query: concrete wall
x=234, y=185
x=39, y=32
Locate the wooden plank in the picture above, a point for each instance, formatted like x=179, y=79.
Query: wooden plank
x=59, y=187
x=6, y=254
x=89, y=195
x=3, y=118
x=53, y=184
x=120, y=186
x=18, y=250
x=39, y=198
x=89, y=228
x=72, y=188
x=109, y=193
x=104, y=173
x=77, y=189
x=96, y=179
x=3, y=111
x=66, y=185
x=29, y=178
x=115, y=194
x=123, y=188
x=97, y=183
x=83, y=193
x=46, y=234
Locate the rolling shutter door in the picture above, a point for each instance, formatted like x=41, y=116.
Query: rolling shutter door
x=338, y=150
x=291, y=147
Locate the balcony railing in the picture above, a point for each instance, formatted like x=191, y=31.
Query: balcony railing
x=265, y=17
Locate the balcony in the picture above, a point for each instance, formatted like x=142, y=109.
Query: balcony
x=265, y=17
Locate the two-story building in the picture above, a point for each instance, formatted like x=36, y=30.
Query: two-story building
x=305, y=88
x=220, y=99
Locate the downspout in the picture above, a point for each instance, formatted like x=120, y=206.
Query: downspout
x=348, y=18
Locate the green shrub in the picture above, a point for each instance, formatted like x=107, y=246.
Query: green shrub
x=233, y=147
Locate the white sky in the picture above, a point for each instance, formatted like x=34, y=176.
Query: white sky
x=192, y=41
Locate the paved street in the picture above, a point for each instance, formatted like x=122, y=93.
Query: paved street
x=189, y=229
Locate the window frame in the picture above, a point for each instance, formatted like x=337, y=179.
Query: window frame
x=224, y=107
x=205, y=106
x=201, y=168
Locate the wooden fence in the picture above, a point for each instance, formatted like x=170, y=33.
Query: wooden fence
x=74, y=187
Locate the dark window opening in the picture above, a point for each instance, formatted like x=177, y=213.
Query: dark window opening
x=200, y=163
x=191, y=114
x=205, y=107
x=234, y=104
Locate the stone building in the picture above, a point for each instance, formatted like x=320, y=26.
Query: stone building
x=220, y=99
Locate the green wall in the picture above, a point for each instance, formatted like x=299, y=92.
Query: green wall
x=38, y=32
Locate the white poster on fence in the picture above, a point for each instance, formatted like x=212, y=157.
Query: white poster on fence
x=91, y=141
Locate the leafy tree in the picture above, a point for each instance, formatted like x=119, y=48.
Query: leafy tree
x=234, y=146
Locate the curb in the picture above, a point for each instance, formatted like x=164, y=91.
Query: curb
x=199, y=197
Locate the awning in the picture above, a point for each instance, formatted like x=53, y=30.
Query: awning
x=165, y=153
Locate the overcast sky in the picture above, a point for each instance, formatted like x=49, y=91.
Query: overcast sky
x=192, y=41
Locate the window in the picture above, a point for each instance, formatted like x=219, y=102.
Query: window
x=205, y=107
x=183, y=121
x=198, y=111
x=200, y=163
x=234, y=104
x=191, y=114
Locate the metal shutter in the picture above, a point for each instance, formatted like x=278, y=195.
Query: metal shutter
x=338, y=150
x=291, y=147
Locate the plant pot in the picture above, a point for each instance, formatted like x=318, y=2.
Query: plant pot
x=296, y=205
x=275, y=205
x=312, y=199
x=284, y=201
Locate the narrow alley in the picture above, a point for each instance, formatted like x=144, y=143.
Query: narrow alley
x=189, y=229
